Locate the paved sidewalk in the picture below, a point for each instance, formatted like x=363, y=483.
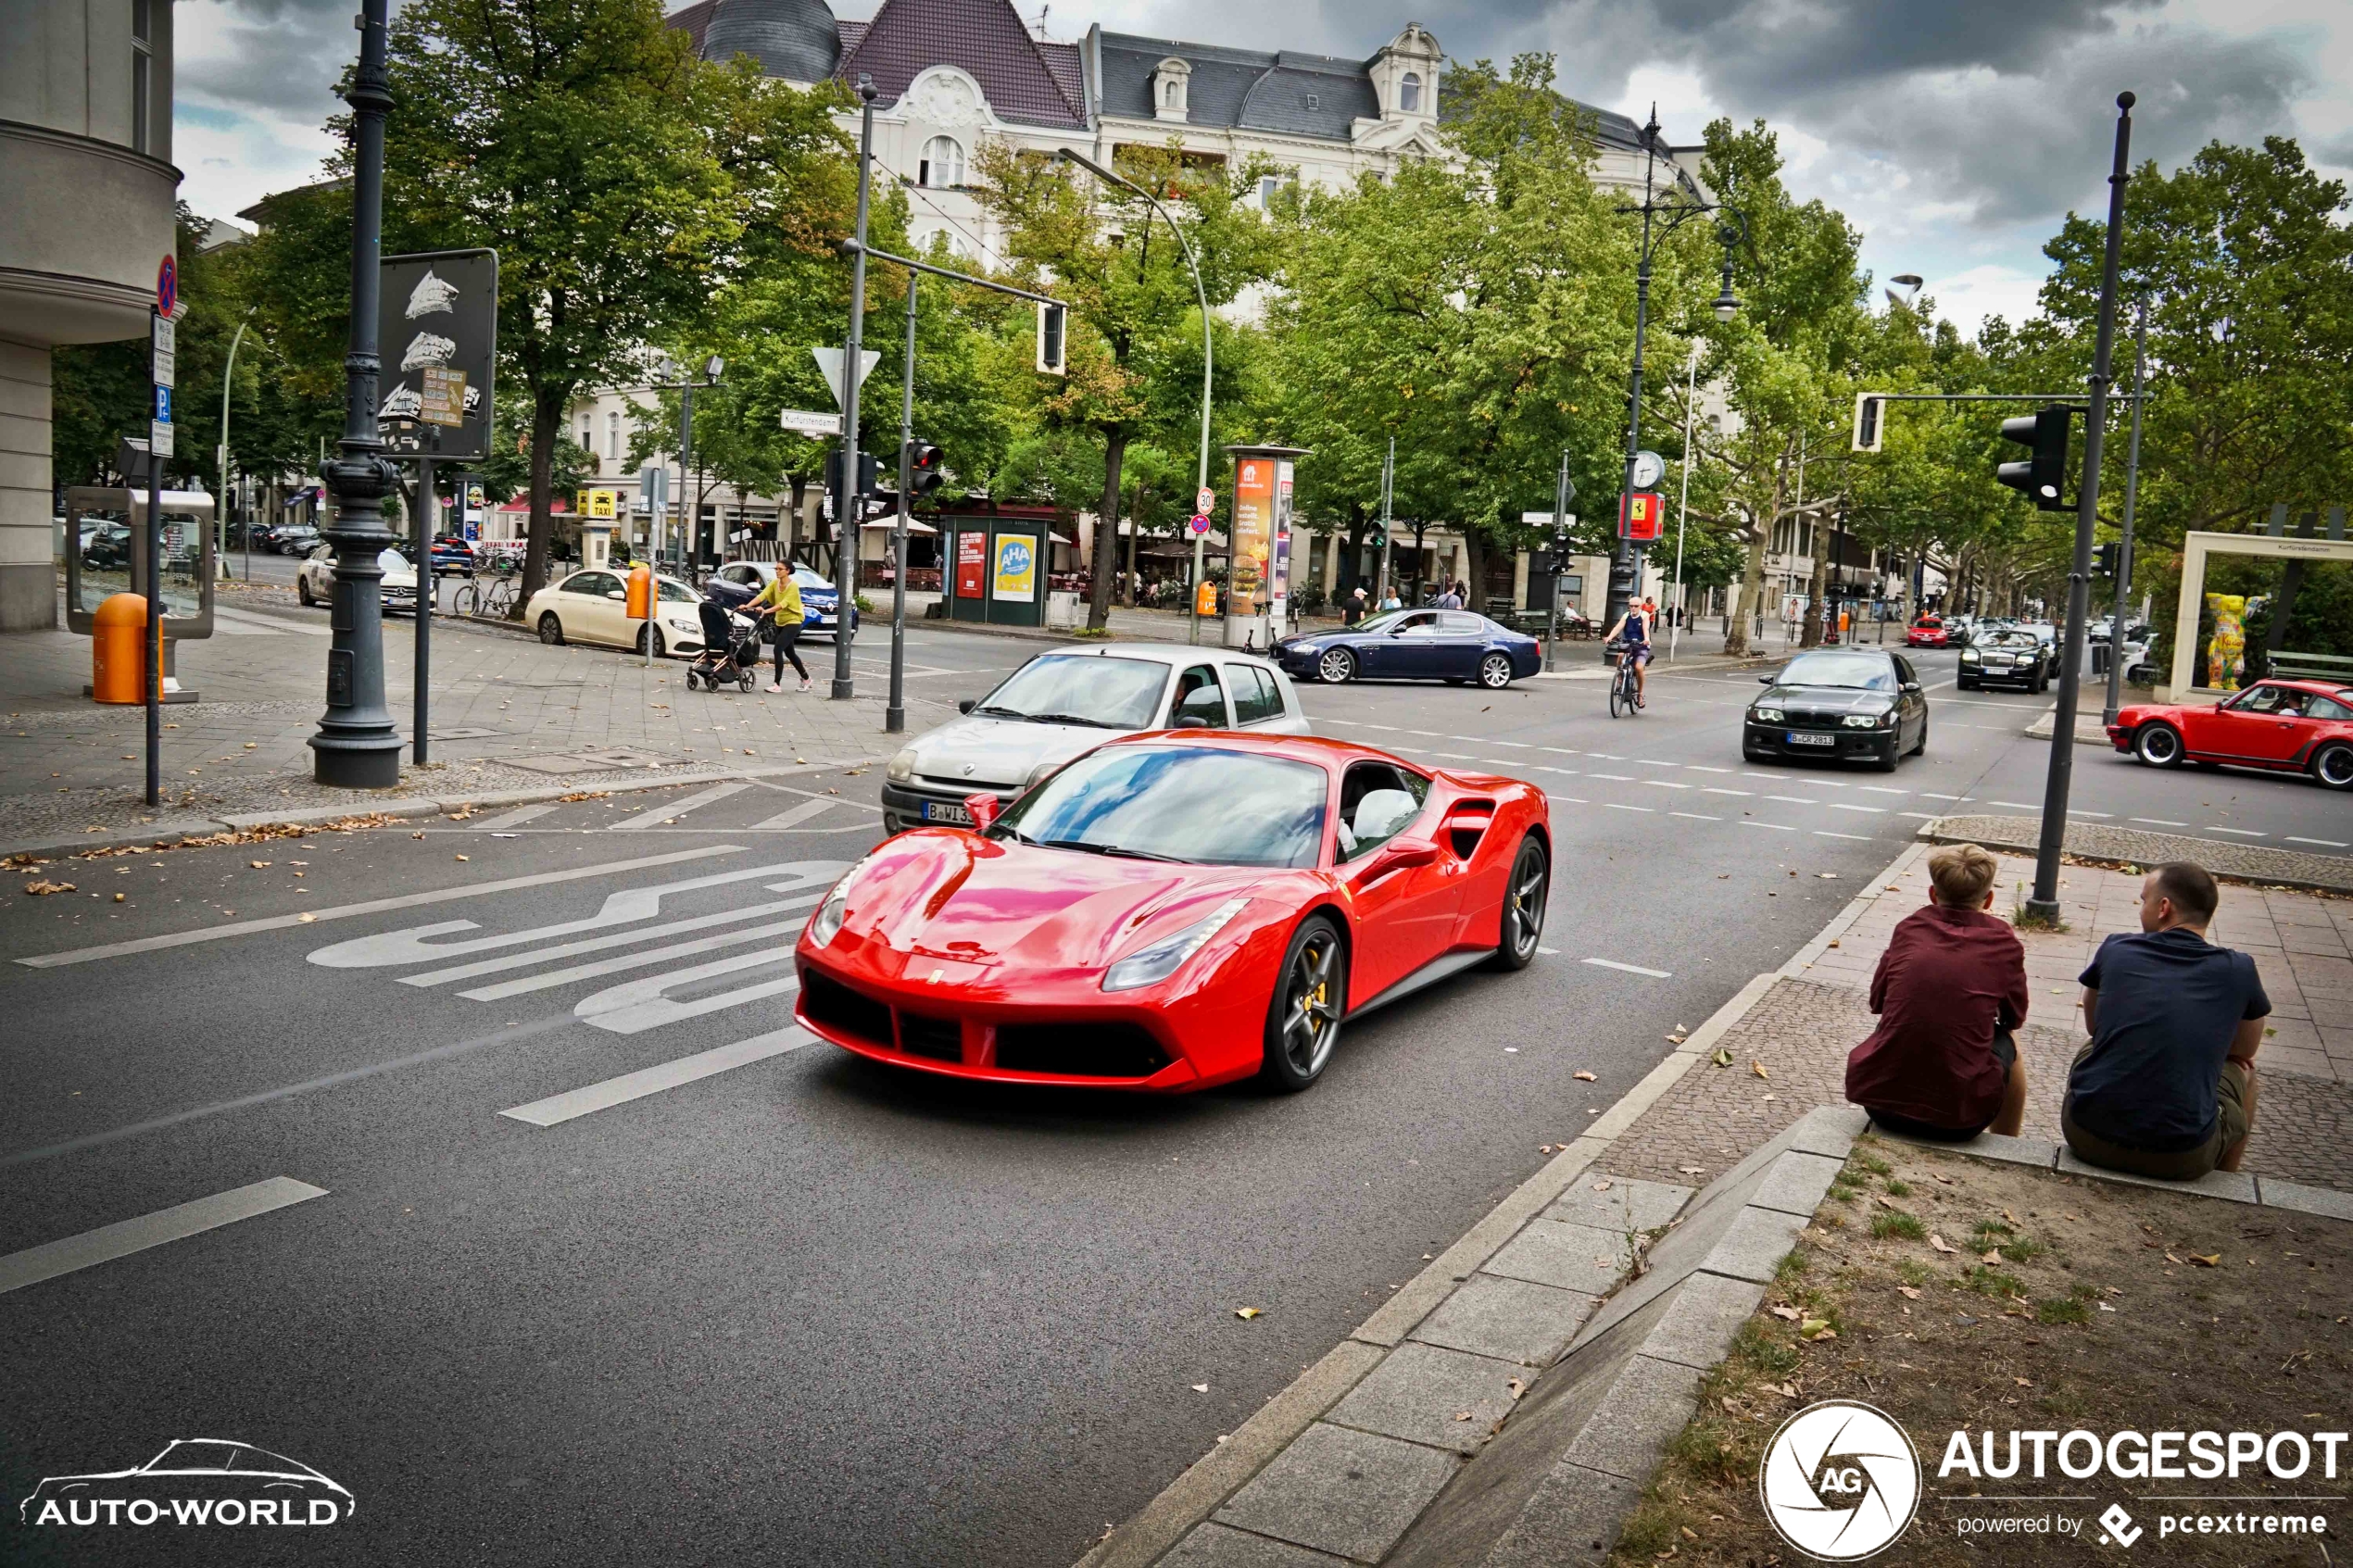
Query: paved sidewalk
x=2139, y=846
x=510, y=715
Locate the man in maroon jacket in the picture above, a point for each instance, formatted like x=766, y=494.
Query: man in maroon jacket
x=1950, y=988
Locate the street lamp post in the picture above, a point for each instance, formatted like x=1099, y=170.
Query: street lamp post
x=850, y=506
x=895, y=710
x=1683, y=510
x=355, y=746
x=2132, y=494
x=1659, y=219
x=228, y=506
x=1200, y=478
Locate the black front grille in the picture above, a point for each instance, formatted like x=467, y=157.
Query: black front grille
x=837, y=1007
x=942, y=1039
x=1080, y=1051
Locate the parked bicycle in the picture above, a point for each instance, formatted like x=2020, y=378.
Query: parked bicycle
x=492, y=599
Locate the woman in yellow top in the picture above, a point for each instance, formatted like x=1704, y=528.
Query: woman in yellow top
x=782, y=598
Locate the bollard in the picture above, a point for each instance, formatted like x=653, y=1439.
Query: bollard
x=118, y=672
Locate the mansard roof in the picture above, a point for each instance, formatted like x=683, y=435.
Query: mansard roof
x=1239, y=89
x=1026, y=80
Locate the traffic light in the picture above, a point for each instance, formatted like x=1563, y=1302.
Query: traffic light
x=2107, y=558
x=2042, y=477
x=1557, y=560
x=834, y=479
x=927, y=469
x=1052, y=320
x=1868, y=414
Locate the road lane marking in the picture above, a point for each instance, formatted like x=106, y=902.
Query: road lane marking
x=654, y=816
x=1630, y=968
x=1516, y=744
x=1933, y=795
x=2242, y=832
x=1794, y=799
x=1858, y=837
x=2103, y=815
x=2324, y=843
x=1716, y=789
x=1621, y=778
x=600, y=944
x=1775, y=826
x=1654, y=762
x=1843, y=806
x=565, y=976
x=1615, y=806
x=515, y=817
x=1885, y=789
x=793, y=816
x=1548, y=768
x=2158, y=821
x=123, y=1238
x=1923, y=816
x=1427, y=734
x=1752, y=773
x=1561, y=750
x=373, y=907
x=635, y=1006
x=556, y=1108
x=1367, y=724
x=1704, y=768
x=1695, y=816
x=2016, y=805
x=1454, y=756
x=1665, y=783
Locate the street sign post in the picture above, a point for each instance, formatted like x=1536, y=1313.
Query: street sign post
x=830, y=361
x=801, y=421
x=1199, y=524
x=1206, y=500
x=162, y=341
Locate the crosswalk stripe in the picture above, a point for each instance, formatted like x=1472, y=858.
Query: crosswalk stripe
x=793, y=816
x=654, y=816
x=554, y=978
x=121, y=1239
x=515, y=817
x=590, y=1098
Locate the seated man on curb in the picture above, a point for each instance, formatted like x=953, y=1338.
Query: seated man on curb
x=1949, y=989
x=2167, y=1086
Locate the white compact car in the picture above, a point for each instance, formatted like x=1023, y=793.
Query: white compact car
x=1062, y=704
x=592, y=607
x=315, y=579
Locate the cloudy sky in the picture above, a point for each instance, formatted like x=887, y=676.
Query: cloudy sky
x=1953, y=133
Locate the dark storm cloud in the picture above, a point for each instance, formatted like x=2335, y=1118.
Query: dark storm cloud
x=278, y=57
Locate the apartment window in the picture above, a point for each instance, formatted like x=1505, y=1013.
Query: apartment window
x=613, y=436
x=587, y=435
x=1172, y=94
x=1315, y=101
x=1267, y=185
x=1409, y=93
x=943, y=164
x=143, y=68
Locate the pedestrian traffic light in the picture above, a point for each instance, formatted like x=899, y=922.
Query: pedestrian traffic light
x=2107, y=558
x=925, y=468
x=2042, y=477
x=836, y=481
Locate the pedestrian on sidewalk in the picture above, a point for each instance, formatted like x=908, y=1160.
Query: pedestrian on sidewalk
x=1352, y=609
x=1949, y=990
x=2166, y=1088
x=782, y=599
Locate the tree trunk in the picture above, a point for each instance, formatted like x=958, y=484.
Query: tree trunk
x=1105, y=564
x=1128, y=572
x=546, y=417
x=1747, y=595
x=1817, y=589
x=1474, y=565
x=1353, y=554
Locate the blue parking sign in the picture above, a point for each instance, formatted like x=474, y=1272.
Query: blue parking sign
x=163, y=404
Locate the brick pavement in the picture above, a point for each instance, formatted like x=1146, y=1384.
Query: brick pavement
x=2102, y=841
x=1803, y=1027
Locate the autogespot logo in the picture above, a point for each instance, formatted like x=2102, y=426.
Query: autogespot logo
x=1839, y=1480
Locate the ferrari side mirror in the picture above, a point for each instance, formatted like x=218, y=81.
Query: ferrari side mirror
x=1400, y=853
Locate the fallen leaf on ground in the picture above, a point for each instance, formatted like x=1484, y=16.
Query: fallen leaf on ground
x=1545, y=1148
x=1834, y=942
x=2011, y=1218
x=306, y=918
x=2212, y=1259
x=1582, y=1077
x=1940, y=1243
x=2171, y=1258
x=1946, y=1180
x=461, y=857
x=2022, y=1383
x=42, y=889
x=1601, y=1185
x=1722, y=1058
x=1770, y=1098
x=1792, y=1314
x=1886, y=1203
x=1692, y=1169
x=1909, y=1293
x=1690, y=1534
x=1517, y=1387
x=1245, y=1312
x=1758, y=1067
x=1991, y=1255
x=1817, y=1328
x=1201, y=1387
x=258, y=865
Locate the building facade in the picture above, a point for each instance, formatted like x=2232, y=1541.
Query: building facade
x=86, y=214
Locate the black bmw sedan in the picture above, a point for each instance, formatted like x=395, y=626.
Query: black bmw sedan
x=1414, y=644
x=1842, y=704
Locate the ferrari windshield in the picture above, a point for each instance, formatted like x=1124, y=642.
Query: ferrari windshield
x=1113, y=692
x=1860, y=671
x=1178, y=803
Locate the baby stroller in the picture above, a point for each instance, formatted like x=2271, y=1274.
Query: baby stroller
x=731, y=649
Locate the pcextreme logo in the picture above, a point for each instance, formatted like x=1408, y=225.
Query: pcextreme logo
x=194, y=1481
x=1839, y=1480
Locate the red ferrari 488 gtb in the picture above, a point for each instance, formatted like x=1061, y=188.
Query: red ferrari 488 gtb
x=1173, y=911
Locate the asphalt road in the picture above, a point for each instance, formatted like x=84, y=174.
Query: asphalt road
x=803, y=1309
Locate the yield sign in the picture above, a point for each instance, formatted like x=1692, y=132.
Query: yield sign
x=830, y=359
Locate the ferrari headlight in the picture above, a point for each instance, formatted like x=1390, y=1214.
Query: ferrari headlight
x=1970, y=656
x=1153, y=964
x=1040, y=775
x=902, y=767
x=826, y=924
x=1769, y=715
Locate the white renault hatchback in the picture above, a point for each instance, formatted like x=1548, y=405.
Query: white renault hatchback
x=1062, y=704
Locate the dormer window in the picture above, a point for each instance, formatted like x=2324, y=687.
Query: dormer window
x=1171, y=78
x=1409, y=93
x=1315, y=101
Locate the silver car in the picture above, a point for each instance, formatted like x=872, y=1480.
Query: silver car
x=1062, y=704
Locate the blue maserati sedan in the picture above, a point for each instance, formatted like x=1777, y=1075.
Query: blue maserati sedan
x=1414, y=644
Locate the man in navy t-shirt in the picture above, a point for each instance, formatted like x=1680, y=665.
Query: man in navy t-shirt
x=2167, y=1086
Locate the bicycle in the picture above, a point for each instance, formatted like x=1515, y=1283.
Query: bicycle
x=1623, y=694
x=492, y=600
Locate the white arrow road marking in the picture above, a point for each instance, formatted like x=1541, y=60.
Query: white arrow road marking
x=374, y=907
x=629, y=905
x=554, y=978
x=515, y=817
x=654, y=816
x=639, y=1005
x=600, y=944
x=125, y=1237
x=653, y=1080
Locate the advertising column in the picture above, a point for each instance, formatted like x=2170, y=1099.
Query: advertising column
x=1257, y=564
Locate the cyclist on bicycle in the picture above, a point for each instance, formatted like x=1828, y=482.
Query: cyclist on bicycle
x=1633, y=630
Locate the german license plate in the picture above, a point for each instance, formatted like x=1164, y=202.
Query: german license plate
x=946, y=811
x=1795, y=738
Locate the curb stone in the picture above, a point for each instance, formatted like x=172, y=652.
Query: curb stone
x=2095, y=841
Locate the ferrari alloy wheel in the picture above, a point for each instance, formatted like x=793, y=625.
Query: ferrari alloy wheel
x=2160, y=746
x=1310, y=1000
x=2334, y=767
x=551, y=631
x=1524, y=900
x=1337, y=667
x=1495, y=672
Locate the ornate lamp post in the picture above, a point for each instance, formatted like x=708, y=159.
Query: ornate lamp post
x=355, y=746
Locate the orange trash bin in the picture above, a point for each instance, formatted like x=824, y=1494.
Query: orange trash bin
x=1205, y=597
x=640, y=604
x=118, y=672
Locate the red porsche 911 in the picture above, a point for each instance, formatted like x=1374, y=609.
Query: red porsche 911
x=1177, y=909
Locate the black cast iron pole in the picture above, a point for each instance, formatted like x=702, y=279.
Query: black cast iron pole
x=355, y=746
x=894, y=711
x=2044, y=905
x=1625, y=564
x=849, y=509
x=2132, y=496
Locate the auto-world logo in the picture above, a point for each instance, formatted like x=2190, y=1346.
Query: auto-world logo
x=1839, y=1480
x=194, y=1481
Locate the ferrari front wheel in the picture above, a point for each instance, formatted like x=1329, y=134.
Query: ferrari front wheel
x=1524, y=900
x=1311, y=997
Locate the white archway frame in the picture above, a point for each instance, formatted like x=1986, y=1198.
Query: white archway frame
x=2196, y=547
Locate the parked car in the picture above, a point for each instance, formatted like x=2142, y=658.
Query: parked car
x=294, y=539
x=1842, y=703
x=2278, y=725
x=1060, y=704
x=315, y=577
x=1928, y=632
x=2012, y=656
x=740, y=582
x=592, y=607
x=1414, y=644
x=1173, y=911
